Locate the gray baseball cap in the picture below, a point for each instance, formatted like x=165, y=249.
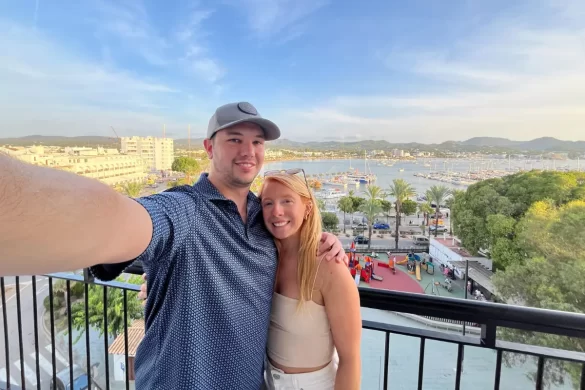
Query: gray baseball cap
x=233, y=113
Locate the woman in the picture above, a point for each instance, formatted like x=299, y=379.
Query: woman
x=315, y=327
x=315, y=318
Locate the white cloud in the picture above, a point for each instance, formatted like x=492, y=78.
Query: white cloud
x=49, y=90
x=282, y=20
x=208, y=69
x=183, y=48
x=510, y=81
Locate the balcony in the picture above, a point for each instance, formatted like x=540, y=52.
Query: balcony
x=409, y=341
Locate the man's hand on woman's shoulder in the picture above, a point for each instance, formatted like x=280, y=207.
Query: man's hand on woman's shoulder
x=332, y=248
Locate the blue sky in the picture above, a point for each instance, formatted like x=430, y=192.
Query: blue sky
x=424, y=71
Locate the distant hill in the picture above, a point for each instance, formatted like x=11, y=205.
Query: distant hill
x=489, y=142
x=545, y=144
x=86, y=140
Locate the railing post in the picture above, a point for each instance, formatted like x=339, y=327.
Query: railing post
x=488, y=335
x=88, y=276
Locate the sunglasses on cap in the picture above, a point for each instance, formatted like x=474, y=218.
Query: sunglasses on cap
x=292, y=171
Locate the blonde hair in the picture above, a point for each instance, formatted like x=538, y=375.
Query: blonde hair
x=310, y=233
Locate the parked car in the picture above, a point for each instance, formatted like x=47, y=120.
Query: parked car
x=439, y=229
x=420, y=240
x=361, y=225
x=4, y=386
x=80, y=380
x=381, y=226
x=361, y=240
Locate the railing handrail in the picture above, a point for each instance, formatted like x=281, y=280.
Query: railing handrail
x=490, y=315
x=83, y=279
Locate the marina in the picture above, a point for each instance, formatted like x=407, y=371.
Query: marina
x=338, y=177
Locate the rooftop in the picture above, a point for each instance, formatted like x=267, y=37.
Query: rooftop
x=455, y=245
x=135, y=335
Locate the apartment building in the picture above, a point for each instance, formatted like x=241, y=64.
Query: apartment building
x=157, y=152
x=106, y=165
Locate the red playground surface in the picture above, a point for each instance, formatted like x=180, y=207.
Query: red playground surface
x=400, y=281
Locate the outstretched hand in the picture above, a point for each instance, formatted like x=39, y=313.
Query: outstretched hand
x=332, y=248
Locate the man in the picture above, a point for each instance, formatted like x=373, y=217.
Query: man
x=209, y=259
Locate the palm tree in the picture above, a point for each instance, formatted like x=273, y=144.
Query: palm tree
x=345, y=204
x=321, y=205
x=401, y=191
x=438, y=194
x=386, y=207
x=372, y=208
x=357, y=202
x=449, y=203
x=425, y=208
x=351, y=195
x=132, y=188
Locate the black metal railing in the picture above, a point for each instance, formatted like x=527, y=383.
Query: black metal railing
x=51, y=355
x=50, y=360
x=363, y=248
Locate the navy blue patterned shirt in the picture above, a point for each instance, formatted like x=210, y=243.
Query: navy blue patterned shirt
x=210, y=283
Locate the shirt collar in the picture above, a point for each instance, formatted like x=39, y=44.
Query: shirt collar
x=206, y=188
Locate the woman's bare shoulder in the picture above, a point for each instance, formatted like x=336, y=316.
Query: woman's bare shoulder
x=332, y=271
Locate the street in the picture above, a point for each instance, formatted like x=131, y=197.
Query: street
x=28, y=338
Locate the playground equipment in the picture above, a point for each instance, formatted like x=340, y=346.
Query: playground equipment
x=418, y=271
x=430, y=268
x=390, y=264
x=359, y=272
x=414, y=262
x=447, y=285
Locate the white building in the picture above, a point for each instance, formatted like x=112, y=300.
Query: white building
x=449, y=253
x=158, y=153
x=106, y=165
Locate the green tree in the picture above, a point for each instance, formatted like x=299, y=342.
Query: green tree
x=132, y=188
x=357, y=201
x=551, y=276
x=400, y=190
x=510, y=196
x=321, y=205
x=409, y=207
x=345, y=204
x=115, y=309
x=437, y=194
x=188, y=165
x=386, y=208
x=372, y=208
x=425, y=209
x=330, y=221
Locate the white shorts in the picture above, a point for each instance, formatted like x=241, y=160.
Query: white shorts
x=324, y=379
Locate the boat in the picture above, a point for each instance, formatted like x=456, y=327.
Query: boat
x=360, y=178
x=330, y=194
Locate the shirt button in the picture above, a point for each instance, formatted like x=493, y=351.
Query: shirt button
x=276, y=376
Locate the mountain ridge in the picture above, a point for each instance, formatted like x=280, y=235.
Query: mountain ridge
x=548, y=144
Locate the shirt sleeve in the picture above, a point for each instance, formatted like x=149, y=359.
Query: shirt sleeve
x=169, y=212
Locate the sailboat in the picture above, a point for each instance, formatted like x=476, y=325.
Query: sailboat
x=365, y=177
